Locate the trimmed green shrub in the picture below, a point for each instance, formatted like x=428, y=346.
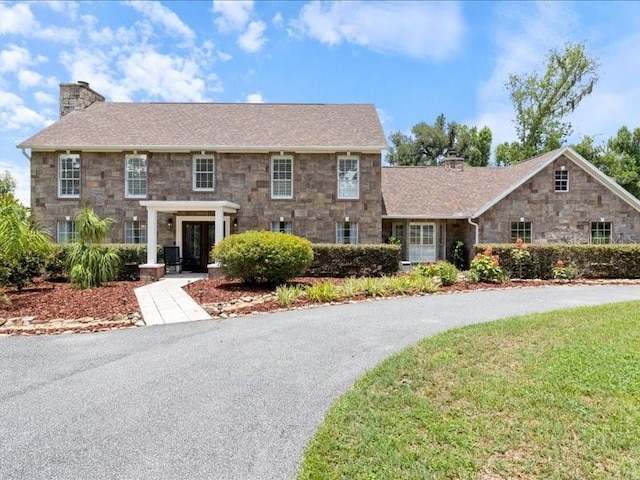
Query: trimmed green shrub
x=263, y=257
x=20, y=272
x=339, y=261
x=445, y=271
x=585, y=261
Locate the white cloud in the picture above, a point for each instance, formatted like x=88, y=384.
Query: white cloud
x=416, y=29
x=255, y=98
x=385, y=118
x=66, y=7
x=44, y=98
x=233, y=16
x=14, y=58
x=252, y=40
x=19, y=20
x=16, y=18
x=277, y=20
x=20, y=171
x=14, y=114
x=29, y=78
x=159, y=14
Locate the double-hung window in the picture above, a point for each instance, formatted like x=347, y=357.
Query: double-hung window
x=348, y=177
x=135, y=231
x=347, y=232
x=67, y=231
x=203, y=173
x=600, y=232
x=69, y=175
x=521, y=230
x=282, y=227
x=282, y=177
x=135, y=176
x=561, y=181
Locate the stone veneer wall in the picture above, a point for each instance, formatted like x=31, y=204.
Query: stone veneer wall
x=561, y=217
x=77, y=96
x=241, y=178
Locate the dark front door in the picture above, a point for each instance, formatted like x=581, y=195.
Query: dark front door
x=197, y=240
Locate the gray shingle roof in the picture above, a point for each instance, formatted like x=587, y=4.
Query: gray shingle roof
x=219, y=126
x=439, y=192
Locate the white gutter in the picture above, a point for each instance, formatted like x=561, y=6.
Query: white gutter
x=28, y=157
x=477, y=230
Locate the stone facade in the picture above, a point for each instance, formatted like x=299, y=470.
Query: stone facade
x=561, y=217
x=240, y=178
x=77, y=96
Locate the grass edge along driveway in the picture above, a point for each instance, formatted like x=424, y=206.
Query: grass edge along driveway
x=553, y=395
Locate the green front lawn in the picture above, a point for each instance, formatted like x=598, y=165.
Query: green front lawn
x=553, y=395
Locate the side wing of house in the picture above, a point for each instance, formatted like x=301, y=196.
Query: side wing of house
x=563, y=203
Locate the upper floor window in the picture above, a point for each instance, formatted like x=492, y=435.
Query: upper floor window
x=135, y=231
x=600, y=232
x=69, y=175
x=561, y=181
x=282, y=177
x=203, y=173
x=521, y=230
x=348, y=177
x=282, y=227
x=67, y=231
x=135, y=176
x=347, y=232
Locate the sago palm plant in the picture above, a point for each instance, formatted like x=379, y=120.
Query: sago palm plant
x=89, y=262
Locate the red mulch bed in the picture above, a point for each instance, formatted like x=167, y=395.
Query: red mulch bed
x=50, y=300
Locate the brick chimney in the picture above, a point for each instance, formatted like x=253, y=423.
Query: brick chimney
x=77, y=96
x=452, y=161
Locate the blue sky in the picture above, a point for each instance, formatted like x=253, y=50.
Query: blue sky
x=413, y=60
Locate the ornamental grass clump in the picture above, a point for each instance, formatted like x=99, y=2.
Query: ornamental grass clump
x=486, y=267
x=288, y=294
x=322, y=292
x=446, y=272
x=263, y=257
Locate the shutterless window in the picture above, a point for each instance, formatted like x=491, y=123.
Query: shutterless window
x=347, y=232
x=562, y=181
x=67, y=231
x=203, y=173
x=69, y=175
x=348, y=177
x=135, y=176
x=521, y=230
x=282, y=177
x=135, y=232
x=282, y=227
x=600, y=232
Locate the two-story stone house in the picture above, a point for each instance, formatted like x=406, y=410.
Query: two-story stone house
x=187, y=174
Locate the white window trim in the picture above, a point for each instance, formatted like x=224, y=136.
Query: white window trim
x=554, y=181
x=524, y=222
x=59, y=224
x=348, y=157
x=142, y=226
x=281, y=157
x=73, y=195
x=353, y=228
x=194, y=172
x=126, y=178
x=277, y=228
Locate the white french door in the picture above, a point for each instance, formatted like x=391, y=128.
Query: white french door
x=422, y=242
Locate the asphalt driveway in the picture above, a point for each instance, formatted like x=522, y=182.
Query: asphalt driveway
x=232, y=399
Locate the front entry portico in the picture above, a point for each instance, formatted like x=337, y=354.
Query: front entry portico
x=220, y=209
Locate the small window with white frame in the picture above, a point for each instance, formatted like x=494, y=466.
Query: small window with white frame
x=282, y=177
x=561, y=181
x=600, y=233
x=135, y=176
x=135, y=231
x=203, y=173
x=348, y=177
x=67, y=231
x=282, y=227
x=521, y=230
x=69, y=175
x=347, y=232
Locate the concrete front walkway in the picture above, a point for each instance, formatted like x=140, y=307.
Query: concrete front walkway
x=165, y=301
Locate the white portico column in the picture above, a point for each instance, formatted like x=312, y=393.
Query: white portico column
x=152, y=236
x=219, y=224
